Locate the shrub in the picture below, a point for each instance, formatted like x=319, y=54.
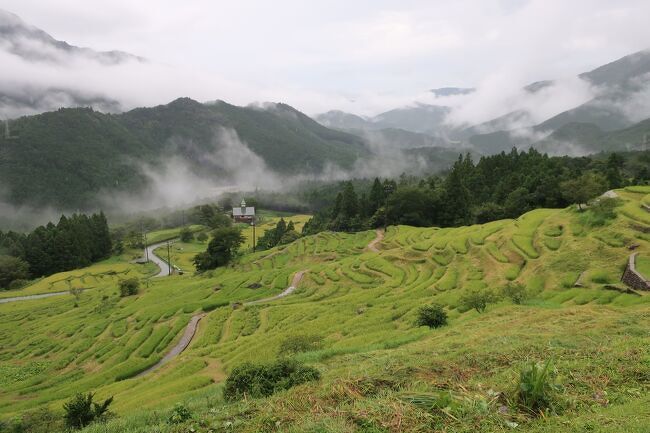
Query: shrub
x=186, y=235
x=38, y=421
x=261, y=380
x=516, y=292
x=433, y=316
x=81, y=411
x=129, y=287
x=179, y=414
x=300, y=343
x=202, y=237
x=535, y=390
x=12, y=268
x=477, y=299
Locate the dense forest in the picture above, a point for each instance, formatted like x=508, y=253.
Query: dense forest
x=74, y=242
x=499, y=186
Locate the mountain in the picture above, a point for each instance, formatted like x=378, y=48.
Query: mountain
x=452, y=91
x=37, y=49
x=417, y=118
x=345, y=121
x=66, y=157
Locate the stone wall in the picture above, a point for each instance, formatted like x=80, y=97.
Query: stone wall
x=632, y=277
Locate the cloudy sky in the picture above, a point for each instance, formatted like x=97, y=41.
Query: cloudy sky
x=361, y=56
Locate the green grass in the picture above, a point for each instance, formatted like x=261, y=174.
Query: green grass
x=364, y=306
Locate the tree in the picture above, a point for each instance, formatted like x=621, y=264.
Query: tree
x=202, y=237
x=477, y=299
x=225, y=243
x=129, y=287
x=81, y=411
x=12, y=269
x=433, y=316
x=186, y=235
x=583, y=188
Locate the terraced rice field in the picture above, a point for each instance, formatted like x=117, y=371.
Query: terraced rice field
x=362, y=303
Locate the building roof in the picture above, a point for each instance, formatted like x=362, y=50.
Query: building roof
x=249, y=211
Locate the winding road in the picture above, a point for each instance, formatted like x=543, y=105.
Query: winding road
x=162, y=264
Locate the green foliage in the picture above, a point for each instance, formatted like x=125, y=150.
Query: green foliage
x=38, y=421
x=261, y=380
x=81, y=410
x=179, y=414
x=300, y=343
x=221, y=249
x=433, y=316
x=202, y=237
x=74, y=242
x=536, y=390
x=186, y=235
x=282, y=234
x=582, y=189
x=516, y=292
x=12, y=269
x=129, y=287
x=477, y=299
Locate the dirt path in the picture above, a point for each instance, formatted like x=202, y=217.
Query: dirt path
x=372, y=246
x=185, y=341
x=289, y=290
x=162, y=264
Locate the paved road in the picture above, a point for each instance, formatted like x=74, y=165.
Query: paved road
x=162, y=264
x=29, y=297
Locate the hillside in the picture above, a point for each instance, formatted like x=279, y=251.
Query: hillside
x=362, y=305
x=65, y=158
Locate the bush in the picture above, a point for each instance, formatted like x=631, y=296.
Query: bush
x=129, y=287
x=12, y=268
x=433, y=316
x=186, y=235
x=516, y=292
x=202, y=237
x=477, y=299
x=38, y=421
x=179, y=414
x=82, y=411
x=535, y=390
x=300, y=343
x=262, y=380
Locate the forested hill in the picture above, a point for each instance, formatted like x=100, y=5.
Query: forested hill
x=64, y=158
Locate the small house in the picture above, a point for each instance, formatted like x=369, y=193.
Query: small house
x=243, y=213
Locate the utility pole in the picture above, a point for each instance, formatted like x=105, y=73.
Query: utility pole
x=146, y=249
x=169, y=261
x=253, y=224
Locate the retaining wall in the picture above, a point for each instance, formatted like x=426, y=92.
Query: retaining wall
x=632, y=277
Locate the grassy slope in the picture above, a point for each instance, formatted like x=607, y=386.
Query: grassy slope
x=364, y=305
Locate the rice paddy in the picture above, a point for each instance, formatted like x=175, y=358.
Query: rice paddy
x=363, y=305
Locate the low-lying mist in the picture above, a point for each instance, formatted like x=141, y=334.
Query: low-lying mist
x=177, y=181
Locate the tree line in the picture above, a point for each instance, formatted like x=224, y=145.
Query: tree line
x=500, y=186
x=74, y=242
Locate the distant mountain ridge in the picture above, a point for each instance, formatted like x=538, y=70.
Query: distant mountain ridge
x=34, y=45
x=66, y=157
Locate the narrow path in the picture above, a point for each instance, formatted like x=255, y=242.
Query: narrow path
x=185, y=341
x=289, y=290
x=162, y=264
x=372, y=246
x=190, y=330
x=30, y=297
